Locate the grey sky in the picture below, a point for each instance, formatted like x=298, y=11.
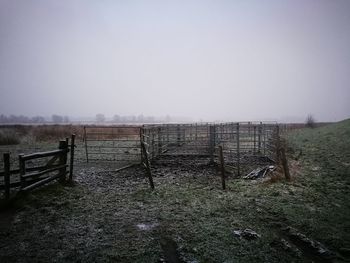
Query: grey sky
x=210, y=60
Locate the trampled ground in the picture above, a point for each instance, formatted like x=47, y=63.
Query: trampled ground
x=114, y=216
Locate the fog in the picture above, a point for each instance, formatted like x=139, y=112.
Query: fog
x=201, y=60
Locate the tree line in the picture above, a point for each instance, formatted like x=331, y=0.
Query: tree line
x=131, y=119
x=15, y=119
x=99, y=118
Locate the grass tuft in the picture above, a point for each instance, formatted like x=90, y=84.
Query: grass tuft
x=9, y=137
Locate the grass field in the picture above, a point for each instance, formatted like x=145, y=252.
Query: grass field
x=325, y=183
x=114, y=216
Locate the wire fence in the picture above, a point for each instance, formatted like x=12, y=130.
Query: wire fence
x=112, y=143
x=243, y=144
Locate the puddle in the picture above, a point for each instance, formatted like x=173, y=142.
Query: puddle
x=146, y=227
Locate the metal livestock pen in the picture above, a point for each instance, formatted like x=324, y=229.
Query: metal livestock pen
x=243, y=143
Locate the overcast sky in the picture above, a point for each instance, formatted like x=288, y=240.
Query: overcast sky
x=209, y=60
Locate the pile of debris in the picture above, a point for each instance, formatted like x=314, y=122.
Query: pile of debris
x=260, y=172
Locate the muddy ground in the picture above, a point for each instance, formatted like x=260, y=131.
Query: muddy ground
x=105, y=215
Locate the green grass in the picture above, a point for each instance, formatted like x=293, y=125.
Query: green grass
x=325, y=198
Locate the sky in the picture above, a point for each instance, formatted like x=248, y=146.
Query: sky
x=204, y=60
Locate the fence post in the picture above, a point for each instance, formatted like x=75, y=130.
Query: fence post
x=141, y=140
x=86, y=149
x=238, y=151
x=264, y=141
x=63, y=159
x=22, y=170
x=259, y=138
x=167, y=135
x=222, y=166
x=190, y=132
x=7, y=175
x=149, y=139
x=71, y=164
x=147, y=165
x=184, y=134
x=218, y=134
x=278, y=145
x=232, y=131
x=254, y=140
x=160, y=141
x=152, y=142
x=178, y=135
x=285, y=164
x=211, y=142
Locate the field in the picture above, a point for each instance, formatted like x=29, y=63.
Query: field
x=113, y=216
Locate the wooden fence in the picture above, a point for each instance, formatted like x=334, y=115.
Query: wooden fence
x=28, y=178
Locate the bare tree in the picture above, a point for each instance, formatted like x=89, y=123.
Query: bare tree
x=57, y=118
x=100, y=117
x=140, y=118
x=116, y=118
x=38, y=119
x=310, y=121
x=65, y=119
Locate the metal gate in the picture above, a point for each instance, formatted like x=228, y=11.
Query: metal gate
x=112, y=143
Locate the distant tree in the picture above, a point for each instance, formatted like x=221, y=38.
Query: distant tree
x=167, y=118
x=12, y=119
x=140, y=118
x=21, y=119
x=56, y=118
x=310, y=121
x=149, y=119
x=127, y=119
x=18, y=119
x=116, y=118
x=3, y=118
x=100, y=117
x=38, y=119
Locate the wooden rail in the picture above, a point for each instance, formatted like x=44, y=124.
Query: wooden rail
x=43, y=154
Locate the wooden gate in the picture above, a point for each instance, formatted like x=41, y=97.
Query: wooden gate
x=39, y=168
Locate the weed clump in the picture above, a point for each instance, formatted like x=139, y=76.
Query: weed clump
x=9, y=137
x=54, y=132
x=310, y=121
